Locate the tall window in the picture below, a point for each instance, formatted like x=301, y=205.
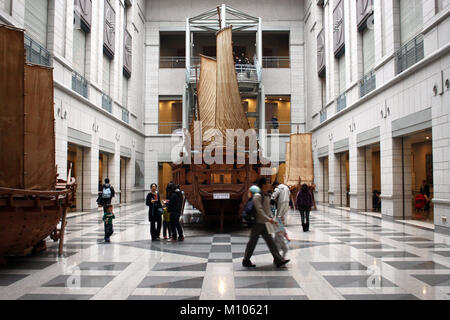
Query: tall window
x=323, y=92
x=125, y=92
x=368, y=49
x=36, y=20
x=411, y=19
x=438, y=5
x=107, y=64
x=126, y=14
x=8, y=6
x=341, y=74
x=79, y=50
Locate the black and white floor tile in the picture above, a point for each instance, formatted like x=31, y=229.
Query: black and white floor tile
x=344, y=256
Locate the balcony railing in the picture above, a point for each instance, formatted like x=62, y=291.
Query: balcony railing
x=126, y=115
x=79, y=84
x=172, y=62
x=245, y=73
x=367, y=84
x=107, y=103
x=282, y=126
x=35, y=53
x=169, y=127
x=341, y=102
x=323, y=115
x=276, y=62
x=409, y=54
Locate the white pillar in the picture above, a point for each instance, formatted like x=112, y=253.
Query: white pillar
x=223, y=17
x=259, y=42
x=188, y=45
x=262, y=107
x=185, y=108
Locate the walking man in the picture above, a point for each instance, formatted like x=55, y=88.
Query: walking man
x=261, y=201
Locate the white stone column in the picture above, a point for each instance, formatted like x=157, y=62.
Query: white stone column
x=368, y=178
x=356, y=164
x=395, y=167
x=90, y=178
x=130, y=178
x=340, y=175
x=333, y=170
x=441, y=154
x=114, y=172
x=323, y=182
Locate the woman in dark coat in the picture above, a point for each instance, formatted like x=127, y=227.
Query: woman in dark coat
x=304, y=203
x=153, y=201
x=174, y=204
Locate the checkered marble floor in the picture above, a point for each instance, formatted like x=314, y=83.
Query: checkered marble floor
x=344, y=256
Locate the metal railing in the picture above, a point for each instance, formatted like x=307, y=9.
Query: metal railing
x=172, y=62
x=367, y=83
x=282, y=126
x=276, y=62
x=107, y=103
x=80, y=84
x=125, y=115
x=35, y=53
x=409, y=54
x=169, y=127
x=323, y=115
x=341, y=102
x=244, y=72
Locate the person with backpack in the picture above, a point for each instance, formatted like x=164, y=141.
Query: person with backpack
x=155, y=211
x=261, y=202
x=106, y=194
x=304, y=203
x=174, y=204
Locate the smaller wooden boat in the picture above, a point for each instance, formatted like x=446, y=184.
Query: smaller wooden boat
x=299, y=163
x=33, y=201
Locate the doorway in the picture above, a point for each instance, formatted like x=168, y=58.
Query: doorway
x=123, y=179
x=422, y=176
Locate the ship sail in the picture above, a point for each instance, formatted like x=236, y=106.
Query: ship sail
x=207, y=96
x=299, y=162
x=229, y=110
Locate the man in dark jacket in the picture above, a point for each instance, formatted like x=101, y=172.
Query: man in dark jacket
x=106, y=194
x=304, y=203
x=153, y=201
x=175, y=200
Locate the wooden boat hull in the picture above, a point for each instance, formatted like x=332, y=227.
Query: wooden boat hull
x=28, y=217
x=199, y=183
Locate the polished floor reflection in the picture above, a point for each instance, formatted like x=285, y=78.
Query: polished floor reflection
x=344, y=256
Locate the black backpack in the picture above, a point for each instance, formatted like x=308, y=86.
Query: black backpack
x=249, y=213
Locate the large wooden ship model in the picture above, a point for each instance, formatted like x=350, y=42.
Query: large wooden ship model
x=33, y=201
x=299, y=163
x=219, y=191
